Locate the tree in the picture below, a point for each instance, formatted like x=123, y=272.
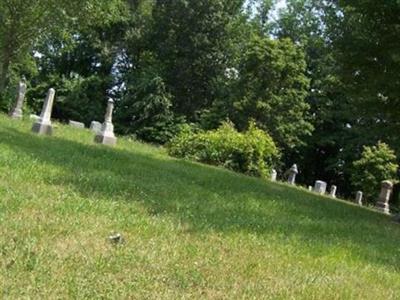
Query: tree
x=24, y=25
x=377, y=163
x=307, y=23
x=191, y=40
x=366, y=43
x=270, y=89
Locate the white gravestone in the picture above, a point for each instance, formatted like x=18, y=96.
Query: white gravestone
x=333, y=190
x=359, y=198
x=293, y=171
x=95, y=126
x=34, y=117
x=320, y=187
x=76, y=124
x=43, y=124
x=106, y=135
x=16, y=112
x=384, y=196
x=274, y=174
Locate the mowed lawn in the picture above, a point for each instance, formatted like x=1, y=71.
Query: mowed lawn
x=191, y=231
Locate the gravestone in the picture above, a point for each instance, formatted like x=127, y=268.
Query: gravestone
x=34, y=117
x=16, y=112
x=333, y=190
x=76, y=124
x=384, y=197
x=95, y=126
x=43, y=124
x=293, y=171
x=359, y=198
x=310, y=188
x=274, y=174
x=106, y=135
x=320, y=187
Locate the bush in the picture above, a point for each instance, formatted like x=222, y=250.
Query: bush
x=377, y=163
x=252, y=152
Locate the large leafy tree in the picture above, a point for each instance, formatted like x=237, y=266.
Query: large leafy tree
x=25, y=24
x=367, y=48
x=191, y=40
x=270, y=89
x=305, y=22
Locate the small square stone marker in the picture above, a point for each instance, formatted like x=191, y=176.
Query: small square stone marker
x=320, y=187
x=106, y=134
x=43, y=124
x=76, y=124
x=95, y=126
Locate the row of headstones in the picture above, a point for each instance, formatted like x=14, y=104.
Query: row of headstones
x=320, y=187
x=104, y=132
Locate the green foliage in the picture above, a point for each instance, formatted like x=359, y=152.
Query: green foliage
x=377, y=163
x=270, y=89
x=366, y=46
x=252, y=152
x=25, y=25
x=145, y=111
x=191, y=40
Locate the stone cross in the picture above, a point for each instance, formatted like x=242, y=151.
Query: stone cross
x=384, y=196
x=320, y=187
x=293, y=171
x=16, y=112
x=332, y=193
x=106, y=134
x=359, y=198
x=274, y=174
x=43, y=124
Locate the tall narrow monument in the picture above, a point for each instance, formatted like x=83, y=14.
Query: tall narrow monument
x=292, y=172
x=16, y=112
x=359, y=198
x=43, y=124
x=106, y=134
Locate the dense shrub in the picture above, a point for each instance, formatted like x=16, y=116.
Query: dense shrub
x=377, y=163
x=252, y=152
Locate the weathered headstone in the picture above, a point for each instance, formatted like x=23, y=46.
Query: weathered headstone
x=320, y=187
x=95, y=126
x=76, y=124
x=274, y=174
x=333, y=190
x=106, y=134
x=384, y=196
x=310, y=188
x=16, y=112
x=359, y=198
x=43, y=124
x=34, y=117
x=293, y=171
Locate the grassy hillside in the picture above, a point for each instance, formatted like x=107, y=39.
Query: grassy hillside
x=191, y=231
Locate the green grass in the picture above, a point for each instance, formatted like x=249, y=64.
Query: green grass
x=191, y=231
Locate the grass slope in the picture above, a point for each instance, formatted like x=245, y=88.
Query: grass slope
x=191, y=231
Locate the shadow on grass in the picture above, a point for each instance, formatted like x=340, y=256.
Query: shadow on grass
x=208, y=198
